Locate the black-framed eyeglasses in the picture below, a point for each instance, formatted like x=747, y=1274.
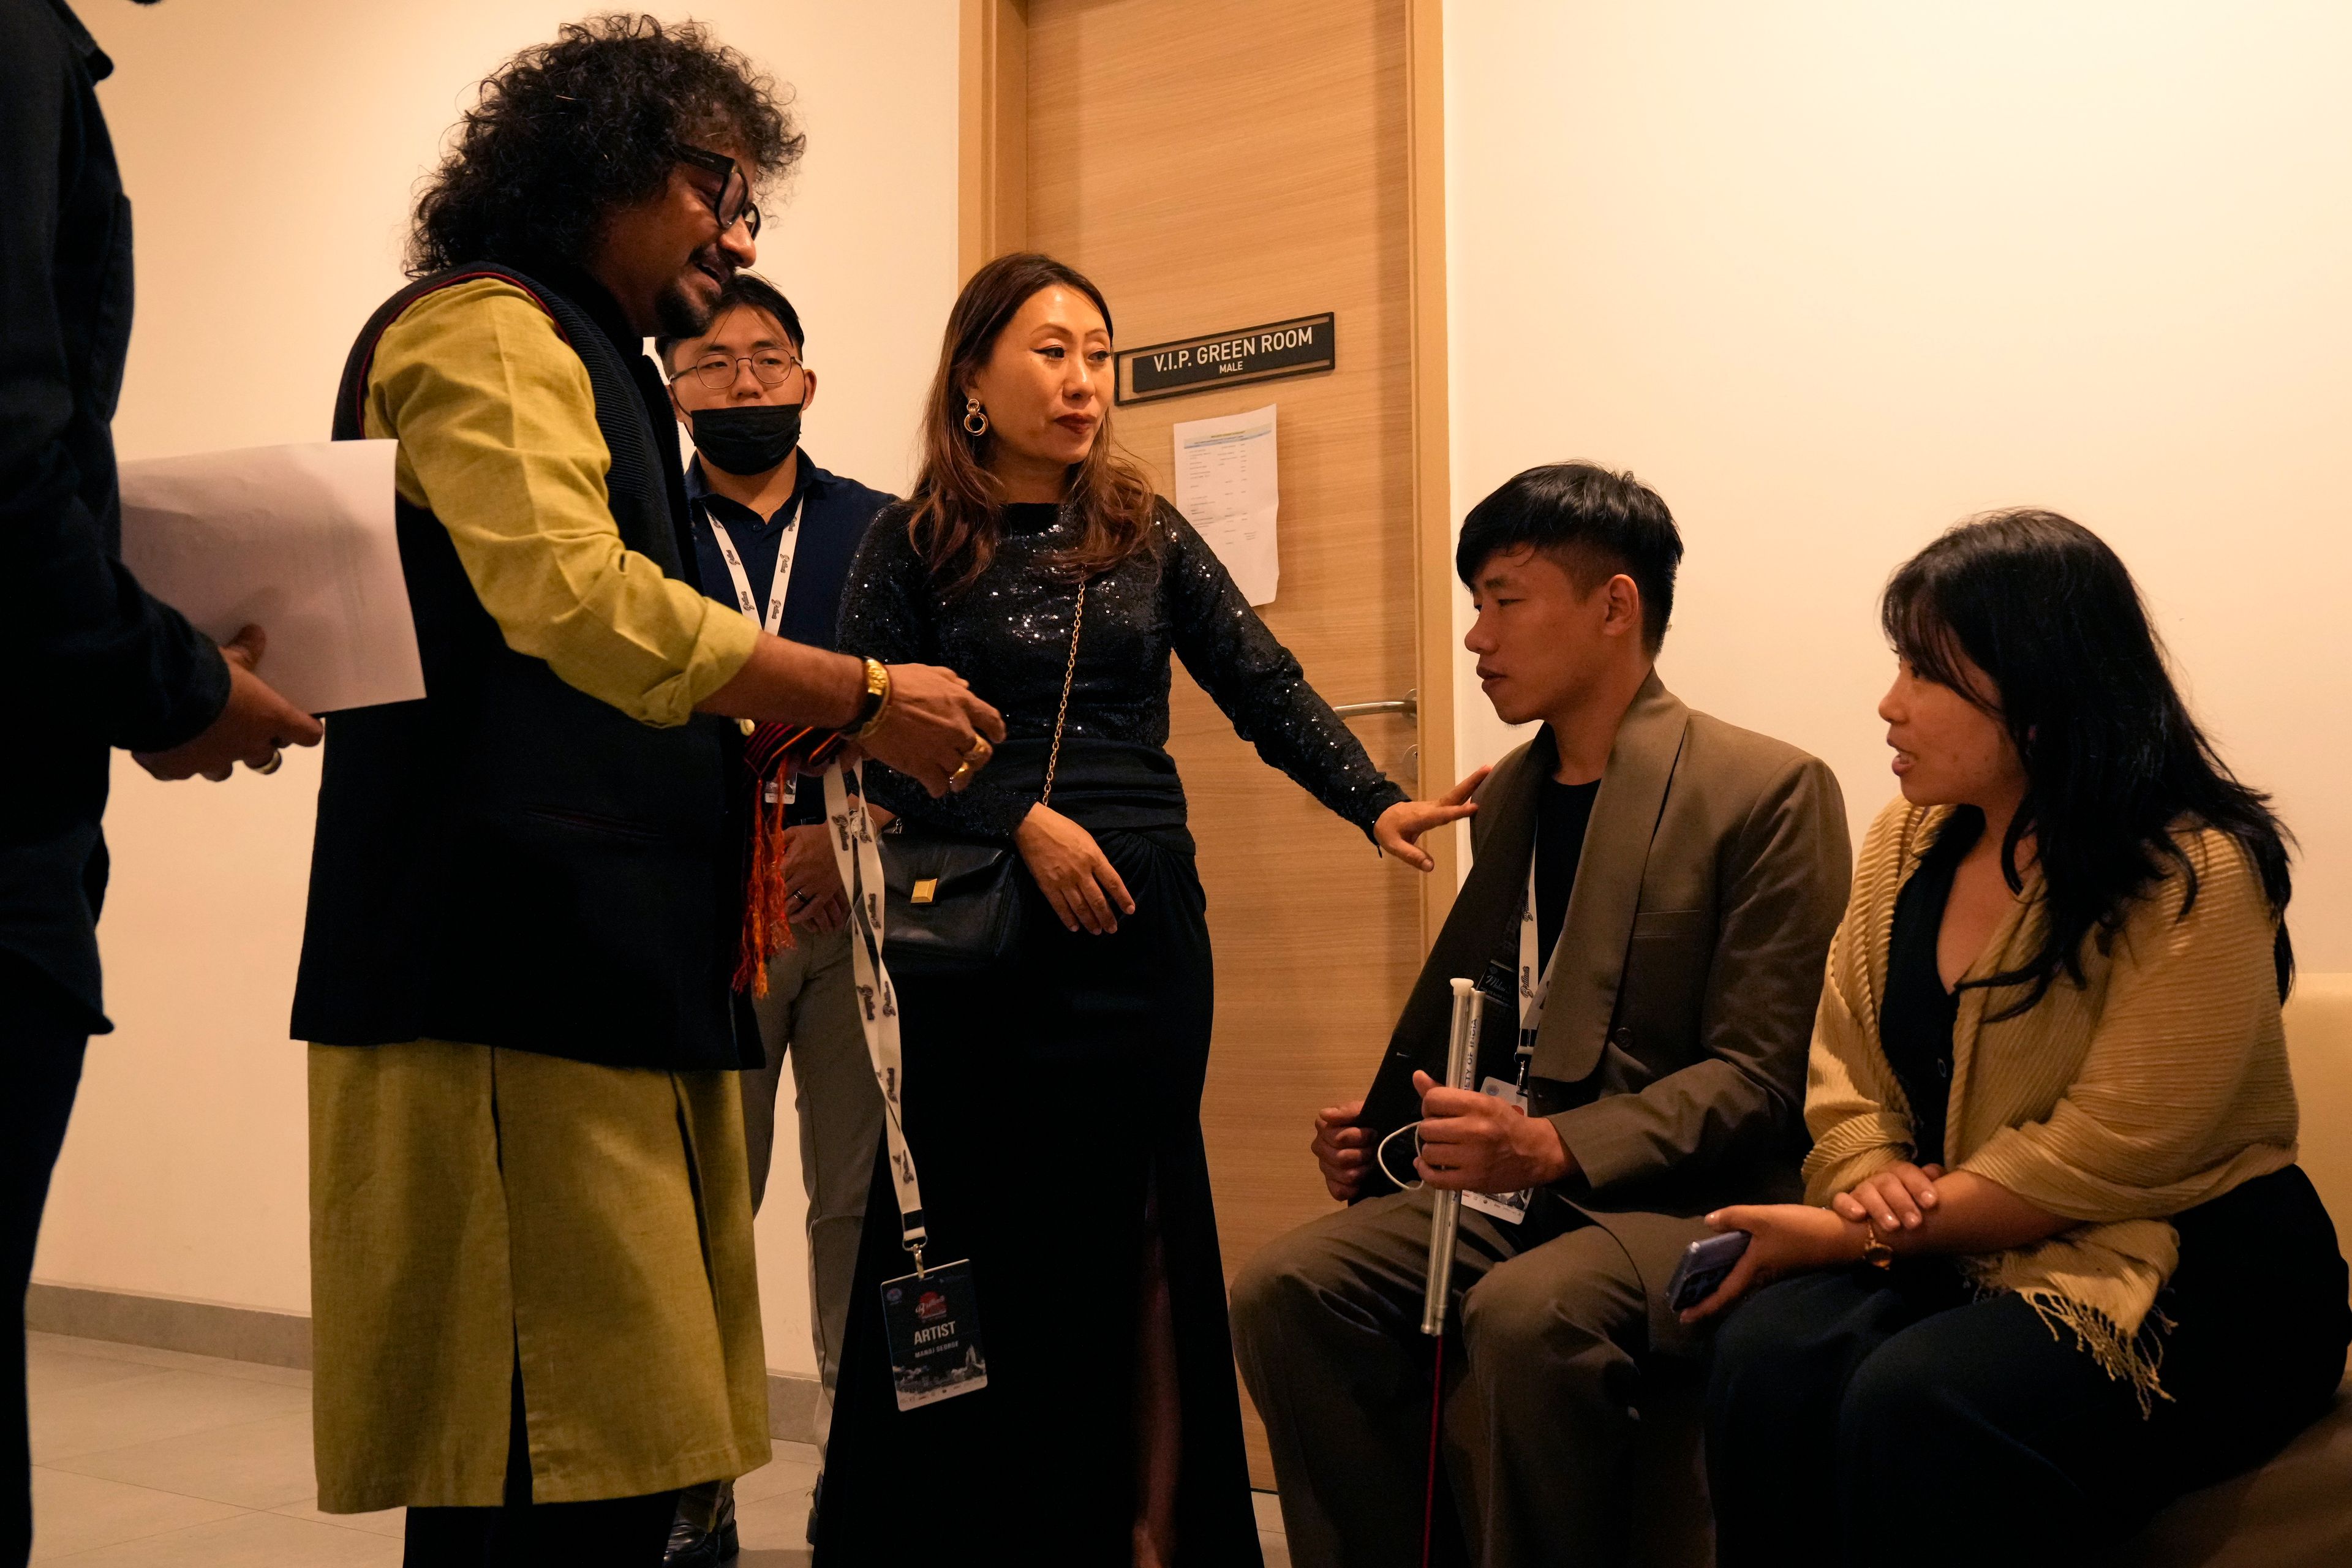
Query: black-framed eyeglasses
x=733, y=204
x=716, y=372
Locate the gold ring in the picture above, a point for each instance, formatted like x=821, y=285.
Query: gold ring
x=963, y=772
x=276, y=759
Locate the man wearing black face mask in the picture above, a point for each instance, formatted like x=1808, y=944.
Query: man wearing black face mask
x=773, y=535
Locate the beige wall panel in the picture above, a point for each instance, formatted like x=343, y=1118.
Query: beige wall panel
x=1216, y=164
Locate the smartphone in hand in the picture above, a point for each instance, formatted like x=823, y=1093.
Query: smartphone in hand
x=1705, y=1263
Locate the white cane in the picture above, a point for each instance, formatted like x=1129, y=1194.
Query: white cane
x=1444, y=1219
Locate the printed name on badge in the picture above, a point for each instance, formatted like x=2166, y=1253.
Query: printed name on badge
x=933, y=1322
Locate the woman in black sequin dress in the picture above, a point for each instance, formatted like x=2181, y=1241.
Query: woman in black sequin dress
x=1054, y=1108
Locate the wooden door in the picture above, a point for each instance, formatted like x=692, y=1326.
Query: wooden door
x=1214, y=165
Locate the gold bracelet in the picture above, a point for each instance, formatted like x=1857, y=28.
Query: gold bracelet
x=877, y=693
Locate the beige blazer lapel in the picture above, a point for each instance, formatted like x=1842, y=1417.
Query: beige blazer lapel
x=1599, y=923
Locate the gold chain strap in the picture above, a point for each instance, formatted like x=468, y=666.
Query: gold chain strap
x=1069, y=674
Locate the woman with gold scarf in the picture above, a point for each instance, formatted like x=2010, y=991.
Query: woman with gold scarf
x=2058, y=1265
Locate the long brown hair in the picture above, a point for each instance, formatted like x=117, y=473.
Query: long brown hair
x=958, y=505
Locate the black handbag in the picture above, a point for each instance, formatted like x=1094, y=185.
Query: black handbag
x=951, y=905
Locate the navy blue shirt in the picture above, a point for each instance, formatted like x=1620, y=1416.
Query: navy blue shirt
x=834, y=515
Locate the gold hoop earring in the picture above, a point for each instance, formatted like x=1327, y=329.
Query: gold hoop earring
x=975, y=417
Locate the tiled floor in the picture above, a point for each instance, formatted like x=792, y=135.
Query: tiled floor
x=149, y=1458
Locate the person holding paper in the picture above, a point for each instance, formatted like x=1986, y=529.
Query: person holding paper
x=773, y=535
x=1664, y=886
x=535, y=1311
x=103, y=664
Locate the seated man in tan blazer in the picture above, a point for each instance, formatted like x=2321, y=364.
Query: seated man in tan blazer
x=1666, y=885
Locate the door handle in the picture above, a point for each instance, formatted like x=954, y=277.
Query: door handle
x=1409, y=705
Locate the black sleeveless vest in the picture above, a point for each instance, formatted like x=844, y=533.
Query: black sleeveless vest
x=509, y=861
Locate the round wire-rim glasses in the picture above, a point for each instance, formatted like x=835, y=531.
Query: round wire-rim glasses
x=716, y=373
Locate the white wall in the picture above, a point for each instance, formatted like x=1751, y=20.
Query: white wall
x=1831, y=276
x=270, y=147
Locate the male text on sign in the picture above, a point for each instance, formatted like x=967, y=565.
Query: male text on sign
x=1301, y=346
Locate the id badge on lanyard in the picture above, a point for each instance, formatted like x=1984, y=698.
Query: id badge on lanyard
x=1535, y=988
x=932, y=1315
x=772, y=617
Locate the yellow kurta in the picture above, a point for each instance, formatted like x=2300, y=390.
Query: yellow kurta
x=498, y=435
x=475, y=1210
x=471, y=1209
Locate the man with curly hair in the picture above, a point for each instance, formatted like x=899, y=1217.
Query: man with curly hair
x=535, y=1312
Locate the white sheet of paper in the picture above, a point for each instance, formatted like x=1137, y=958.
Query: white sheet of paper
x=1226, y=486
x=296, y=540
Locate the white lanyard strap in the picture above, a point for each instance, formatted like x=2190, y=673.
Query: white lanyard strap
x=778, y=584
x=860, y=859
x=1535, y=976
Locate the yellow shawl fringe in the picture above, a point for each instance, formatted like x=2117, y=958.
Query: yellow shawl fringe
x=2158, y=1084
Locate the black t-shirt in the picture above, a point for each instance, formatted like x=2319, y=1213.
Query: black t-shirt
x=1562, y=813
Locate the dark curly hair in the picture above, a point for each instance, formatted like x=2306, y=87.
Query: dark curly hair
x=566, y=132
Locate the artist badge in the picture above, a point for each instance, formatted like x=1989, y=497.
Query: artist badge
x=933, y=1322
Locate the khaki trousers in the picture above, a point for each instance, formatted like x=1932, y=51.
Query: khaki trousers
x=810, y=1016
x=1544, y=1371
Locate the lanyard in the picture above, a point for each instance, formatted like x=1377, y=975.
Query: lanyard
x=1535, y=983
x=860, y=859
x=777, y=584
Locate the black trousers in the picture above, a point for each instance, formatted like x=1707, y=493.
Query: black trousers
x=1891, y=1416
x=42, y=1037
x=610, y=1533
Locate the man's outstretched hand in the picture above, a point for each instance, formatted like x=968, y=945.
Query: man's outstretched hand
x=934, y=731
x=255, y=726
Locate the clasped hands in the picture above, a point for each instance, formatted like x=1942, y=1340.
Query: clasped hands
x=1796, y=1239
x=1469, y=1143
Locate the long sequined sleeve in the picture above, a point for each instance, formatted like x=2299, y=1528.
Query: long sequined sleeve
x=1228, y=649
x=887, y=613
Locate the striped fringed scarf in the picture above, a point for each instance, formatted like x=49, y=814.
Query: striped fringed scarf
x=770, y=752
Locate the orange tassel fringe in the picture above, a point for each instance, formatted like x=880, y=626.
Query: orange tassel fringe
x=767, y=924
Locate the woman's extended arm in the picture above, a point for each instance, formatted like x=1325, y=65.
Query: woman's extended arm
x=1260, y=687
